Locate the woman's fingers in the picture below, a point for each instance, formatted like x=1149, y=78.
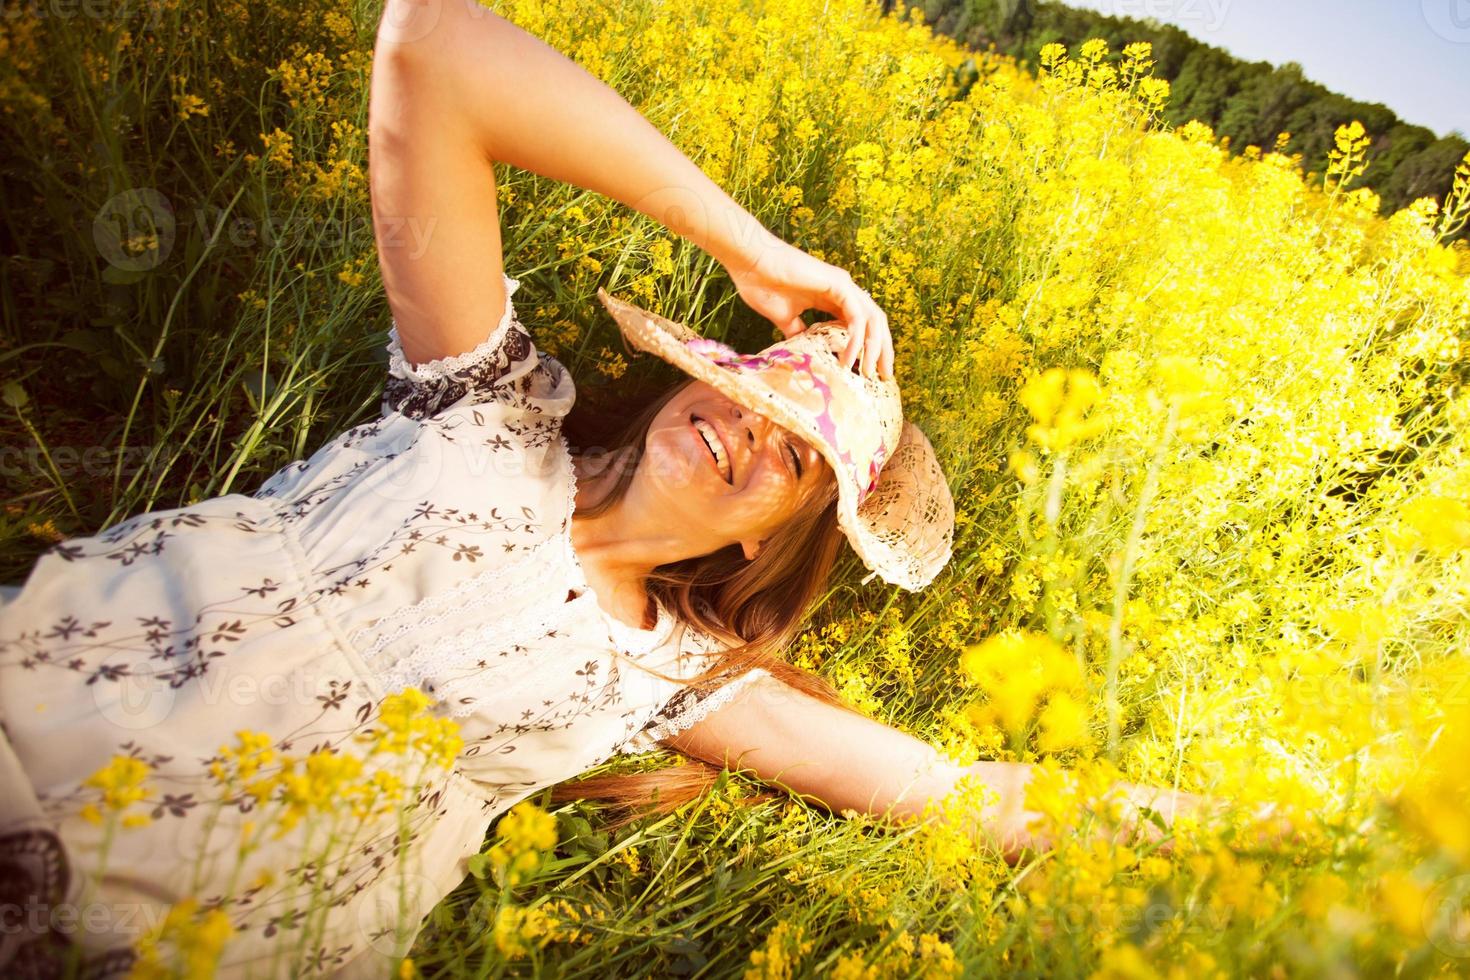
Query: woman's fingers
x=869, y=337
x=867, y=327
x=795, y=279
x=876, y=344
x=855, y=337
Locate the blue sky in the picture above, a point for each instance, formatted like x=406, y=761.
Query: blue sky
x=1411, y=55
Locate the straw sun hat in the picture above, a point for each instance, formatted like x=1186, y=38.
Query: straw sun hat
x=893, y=501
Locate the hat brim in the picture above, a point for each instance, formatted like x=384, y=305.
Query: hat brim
x=902, y=529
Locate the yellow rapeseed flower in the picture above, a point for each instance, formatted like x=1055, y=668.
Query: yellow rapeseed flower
x=1062, y=403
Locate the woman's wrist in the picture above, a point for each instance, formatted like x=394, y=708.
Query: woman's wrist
x=709, y=218
x=736, y=238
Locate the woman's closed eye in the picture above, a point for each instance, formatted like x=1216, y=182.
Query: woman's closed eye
x=795, y=457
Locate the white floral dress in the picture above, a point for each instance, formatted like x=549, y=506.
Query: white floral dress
x=430, y=548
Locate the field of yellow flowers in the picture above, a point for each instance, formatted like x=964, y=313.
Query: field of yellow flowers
x=1205, y=416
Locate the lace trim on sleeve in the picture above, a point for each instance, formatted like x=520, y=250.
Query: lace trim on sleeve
x=689, y=707
x=482, y=373
x=445, y=367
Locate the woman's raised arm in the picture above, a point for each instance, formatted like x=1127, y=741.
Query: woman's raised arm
x=456, y=88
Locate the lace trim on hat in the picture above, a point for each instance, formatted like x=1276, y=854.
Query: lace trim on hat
x=905, y=527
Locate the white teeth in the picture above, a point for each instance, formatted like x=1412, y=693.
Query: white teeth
x=713, y=439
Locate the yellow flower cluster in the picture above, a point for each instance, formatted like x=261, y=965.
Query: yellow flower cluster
x=1016, y=671
x=928, y=958
x=1438, y=524
x=329, y=781
x=120, y=784
x=1062, y=402
x=1349, y=156
x=522, y=838
x=517, y=930
x=405, y=726
x=305, y=77
x=188, y=943
x=784, y=950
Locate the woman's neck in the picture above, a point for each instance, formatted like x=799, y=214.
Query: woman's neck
x=615, y=561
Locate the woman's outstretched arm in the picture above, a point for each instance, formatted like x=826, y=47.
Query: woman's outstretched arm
x=847, y=761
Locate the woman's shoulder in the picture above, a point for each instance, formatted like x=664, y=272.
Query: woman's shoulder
x=695, y=646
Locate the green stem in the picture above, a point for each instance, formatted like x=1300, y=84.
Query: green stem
x=1125, y=575
x=163, y=332
x=55, y=473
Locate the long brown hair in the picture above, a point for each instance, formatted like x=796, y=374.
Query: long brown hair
x=756, y=607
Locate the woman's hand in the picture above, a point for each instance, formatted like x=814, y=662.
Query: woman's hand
x=783, y=282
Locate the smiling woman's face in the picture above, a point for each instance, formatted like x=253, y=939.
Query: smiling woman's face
x=726, y=468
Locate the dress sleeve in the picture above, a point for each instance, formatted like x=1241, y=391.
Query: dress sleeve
x=690, y=705
x=483, y=374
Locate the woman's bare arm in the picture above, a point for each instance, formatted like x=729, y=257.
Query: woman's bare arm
x=847, y=761
x=457, y=88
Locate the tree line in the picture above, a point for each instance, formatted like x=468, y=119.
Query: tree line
x=1250, y=102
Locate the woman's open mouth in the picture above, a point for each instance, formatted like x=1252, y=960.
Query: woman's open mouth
x=718, y=454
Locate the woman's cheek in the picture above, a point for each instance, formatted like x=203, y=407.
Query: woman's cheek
x=672, y=463
x=770, y=498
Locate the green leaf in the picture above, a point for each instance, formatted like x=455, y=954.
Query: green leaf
x=15, y=396
x=690, y=953
x=1154, y=817
x=86, y=341
x=478, y=865
x=122, y=277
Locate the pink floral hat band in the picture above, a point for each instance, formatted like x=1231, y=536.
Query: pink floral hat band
x=783, y=357
x=894, y=503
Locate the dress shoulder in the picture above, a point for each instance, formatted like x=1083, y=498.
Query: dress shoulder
x=483, y=374
x=688, y=705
